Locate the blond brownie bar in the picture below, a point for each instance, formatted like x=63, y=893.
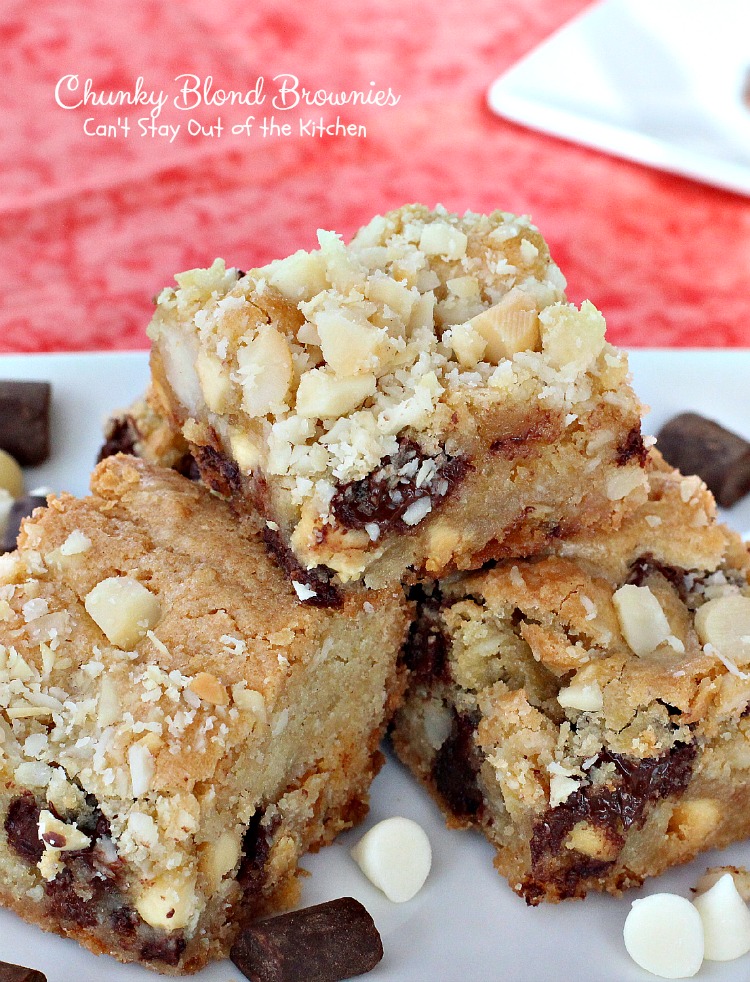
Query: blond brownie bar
x=176, y=727
x=589, y=710
x=420, y=400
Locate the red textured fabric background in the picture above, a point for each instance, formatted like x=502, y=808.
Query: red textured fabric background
x=91, y=228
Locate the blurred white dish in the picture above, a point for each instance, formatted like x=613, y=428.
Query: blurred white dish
x=657, y=81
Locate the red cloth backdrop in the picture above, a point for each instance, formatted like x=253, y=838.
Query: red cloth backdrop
x=92, y=227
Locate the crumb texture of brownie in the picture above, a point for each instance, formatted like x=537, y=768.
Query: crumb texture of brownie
x=390, y=403
x=176, y=726
x=588, y=709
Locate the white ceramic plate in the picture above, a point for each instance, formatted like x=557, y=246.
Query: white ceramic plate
x=657, y=81
x=466, y=925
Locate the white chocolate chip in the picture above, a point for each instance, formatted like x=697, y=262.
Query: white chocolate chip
x=725, y=623
x=11, y=475
x=124, y=610
x=643, y=622
x=350, y=347
x=663, y=933
x=220, y=857
x=169, y=902
x=624, y=481
x=60, y=836
x=713, y=874
x=395, y=856
x=562, y=783
x=726, y=921
x=214, y=381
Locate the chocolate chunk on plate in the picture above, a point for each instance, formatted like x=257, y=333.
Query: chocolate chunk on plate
x=24, y=420
x=325, y=943
x=696, y=445
x=17, y=973
x=20, y=509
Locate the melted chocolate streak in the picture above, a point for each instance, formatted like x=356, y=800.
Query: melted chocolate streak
x=614, y=809
x=85, y=894
x=383, y=497
x=318, y=578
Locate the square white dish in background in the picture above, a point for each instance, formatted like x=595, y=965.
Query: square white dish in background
x=466, y=925
x=656, y=81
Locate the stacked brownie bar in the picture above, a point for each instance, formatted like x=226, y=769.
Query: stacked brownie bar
x=199, y=660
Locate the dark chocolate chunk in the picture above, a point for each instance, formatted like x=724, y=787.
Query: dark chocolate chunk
x=17, y=973
x=613, y=808
x=187, y=466
x=24, y=420
x=425, y=651
x=632, y=447
x=383, y=497
x=456, y=767
x=647, y=564
x=218, y=471
x=318, y=578
x=20, y=509
x=325, y=943
x=696, y=445
x=121, y=437
x=22, y=827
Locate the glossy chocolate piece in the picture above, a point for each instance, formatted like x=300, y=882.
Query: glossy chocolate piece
x=17, y=973
x=24, y=420
x=696, y=445
x=325, y=943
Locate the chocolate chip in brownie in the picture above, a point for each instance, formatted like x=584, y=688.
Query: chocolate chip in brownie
x=696, y=445
x=122, y=435
x=613, y=808
x=24, y=420
x=456, y=767
x=632, y=448
x=325, y=943
x=20, y=509
x=384, y=497
x=22, y=827
x=318, y=579
x=425, y=651
x=220, y=472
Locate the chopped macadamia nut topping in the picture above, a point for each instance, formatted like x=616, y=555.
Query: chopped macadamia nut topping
x=330, y=355
x=124, y=609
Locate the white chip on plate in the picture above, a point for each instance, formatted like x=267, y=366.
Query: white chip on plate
x=726, y=921
x=664, y=934
x=395, y=856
